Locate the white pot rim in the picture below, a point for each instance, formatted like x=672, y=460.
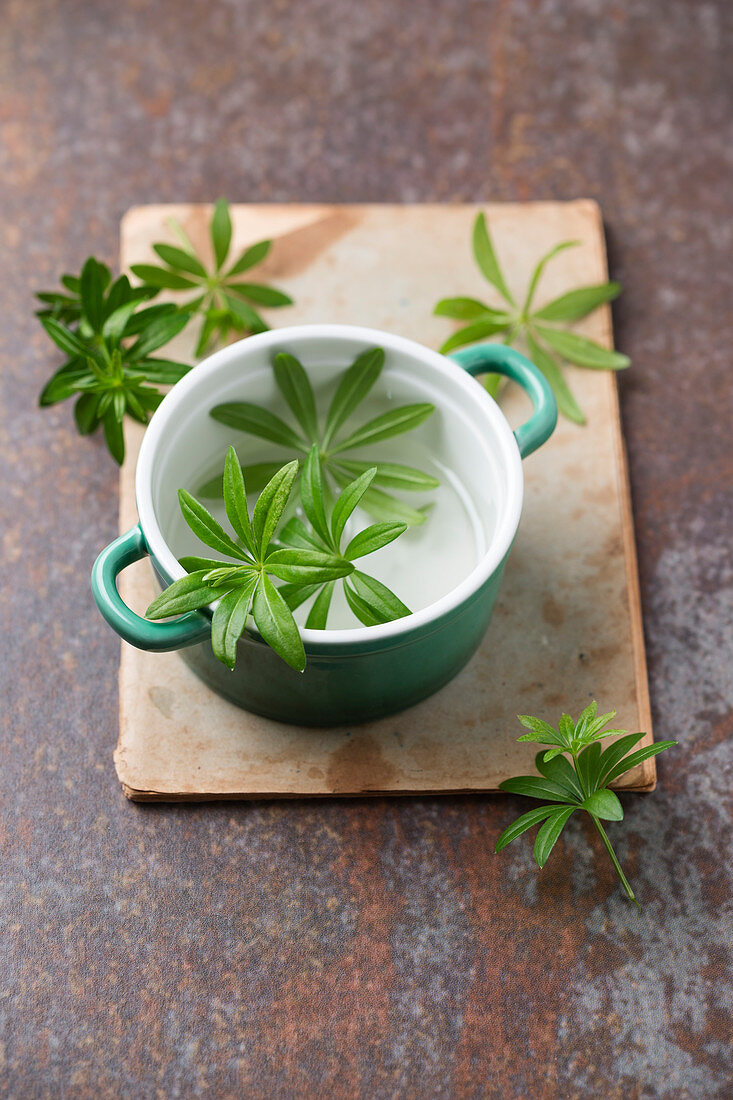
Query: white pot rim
x=508, y=520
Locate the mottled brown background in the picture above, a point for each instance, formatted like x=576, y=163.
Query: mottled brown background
x=375, y=948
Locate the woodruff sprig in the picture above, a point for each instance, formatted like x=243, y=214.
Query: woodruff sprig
x=245, y=584
x=225, y=303
x=536, y=328
x=108, y=340
x=332, y=440
x=579, y=783
x=370, y=600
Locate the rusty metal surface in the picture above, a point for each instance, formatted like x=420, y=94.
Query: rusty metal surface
x=364, y=948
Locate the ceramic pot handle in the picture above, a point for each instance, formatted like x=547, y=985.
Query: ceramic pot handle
x=499, y=359
x=143, y=633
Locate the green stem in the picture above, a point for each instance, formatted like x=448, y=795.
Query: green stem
x=624, y=881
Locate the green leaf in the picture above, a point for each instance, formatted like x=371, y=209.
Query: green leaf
x=578, y=303
x=382, y=604
x=163, y=372
x=257, y=421
x=354, y=386
x=63, y=337
x=533, y=786
x=114, y=326
x=121, y=292
x=467, y=309
x=549, y=833
x=205, y=527
x=587, y=767
x=92, y=288
x=248, y=317
x=392, y=475
x=230, y=575
x=550, y=754
x=389, y=424
x=136, y=410
x=636, y=758
x=558, y=769
x=373, y=538
x=160, y=331
x=492, y=382
x=540, y=739
x=318, y=614
x=187, y=594
x=381, y=506
x=212, y=323
x=566, y=729
x=51, y=297
x=293, y=383
x=72, y=283
x=85, y=413
x=63, y=383
x=229, y=621
x=221, y=231
x=118, y=404
x=537, y=273
x=604, y=804
x=180, y=260
x=347, y=502
x=251, y=256
x=361, y=608
x=486, y=259
x=59, y=302
x=522, y=824
x=271, y=504
x=97, y=373
x=297, y=594
x=199, y=565
x=235, y=500
x=144, y=317
x=161, y=277
x=566, y=403
x=295, y=533
x=615, y=752
x=104, y=273
x=263, y=295
x=276, y=624
x=149, y=398
x=306, y=566
x=582, y=351
x=593, y=724
x=114, y=436
x=543, y=729
x=478, y=330
x=311, y=494
x=387, y=509
x=586, y=716
x=256, y=477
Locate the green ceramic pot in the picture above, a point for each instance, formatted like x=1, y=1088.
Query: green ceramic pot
x=358, y=673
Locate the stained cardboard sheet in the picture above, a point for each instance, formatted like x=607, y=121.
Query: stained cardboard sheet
x=567, y=627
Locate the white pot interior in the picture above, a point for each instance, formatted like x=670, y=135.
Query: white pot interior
x=466, y=444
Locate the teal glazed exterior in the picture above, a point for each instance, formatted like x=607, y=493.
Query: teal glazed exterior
x=345, y=681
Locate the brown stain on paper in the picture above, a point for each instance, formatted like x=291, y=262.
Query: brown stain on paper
x=294, y=252
x=552, y=611
x=360, y=756
x=163, y=699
